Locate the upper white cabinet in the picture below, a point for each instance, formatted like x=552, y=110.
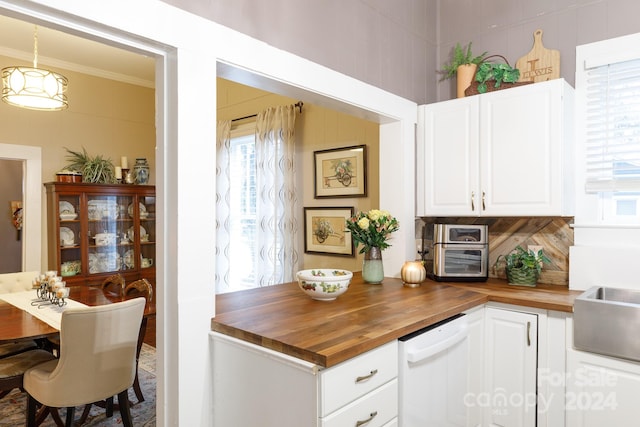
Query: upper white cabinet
x=504, y=153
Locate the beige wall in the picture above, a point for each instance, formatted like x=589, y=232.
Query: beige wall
x=316, y=129
x=104, y=116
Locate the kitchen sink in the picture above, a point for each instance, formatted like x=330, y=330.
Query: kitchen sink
x=607, y=321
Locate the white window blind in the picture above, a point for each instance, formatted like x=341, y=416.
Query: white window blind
x=613, y=127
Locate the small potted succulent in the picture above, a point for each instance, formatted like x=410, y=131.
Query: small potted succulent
x=463, y=65
x=523, y=267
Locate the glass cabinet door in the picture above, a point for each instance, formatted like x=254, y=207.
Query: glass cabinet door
x=69, y=211
x=110, y=239
x=147, y=209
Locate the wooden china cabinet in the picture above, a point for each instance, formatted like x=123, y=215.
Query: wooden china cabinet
x=96, y=230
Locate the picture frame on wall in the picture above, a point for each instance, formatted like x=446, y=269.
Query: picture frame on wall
x=325, y=231
x=340, y=172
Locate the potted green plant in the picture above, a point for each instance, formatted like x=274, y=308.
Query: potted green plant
x=93, y=169
x=498, y=72
x=523, y=267
x=463, y=65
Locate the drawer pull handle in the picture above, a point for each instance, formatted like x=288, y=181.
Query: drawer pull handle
x=528, y=334
x=366, y=377
x=473, y=205
x=363, y=422
x=484, y=208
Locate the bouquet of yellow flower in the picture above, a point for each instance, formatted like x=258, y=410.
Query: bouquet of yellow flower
x=371, y=228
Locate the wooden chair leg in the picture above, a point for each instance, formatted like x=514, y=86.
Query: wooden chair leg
x=136, y=383
x=136, y=387
x=56, y=417
x=109, y=406
x=32, y=407
x=85, y=413
x=70, y=414
x=125, y=412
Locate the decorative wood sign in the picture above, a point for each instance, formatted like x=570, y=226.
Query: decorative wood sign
x=539, y=64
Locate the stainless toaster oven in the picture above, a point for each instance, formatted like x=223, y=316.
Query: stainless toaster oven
x=460, y=253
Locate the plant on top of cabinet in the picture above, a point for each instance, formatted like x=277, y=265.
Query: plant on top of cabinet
x=523, y=267
x=94, y=169
x=463, y=65
x=489, y=71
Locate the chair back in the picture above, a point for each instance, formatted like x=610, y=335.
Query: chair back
x=17, y=282
x=114, y=284
x=141, y=288
x=98, y=351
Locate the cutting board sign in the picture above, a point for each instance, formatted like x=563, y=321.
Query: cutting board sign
x=539, y=64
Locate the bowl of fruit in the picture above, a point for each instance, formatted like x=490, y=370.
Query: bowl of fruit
x=324, y=284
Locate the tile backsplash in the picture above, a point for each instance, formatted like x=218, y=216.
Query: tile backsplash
x=554, y=234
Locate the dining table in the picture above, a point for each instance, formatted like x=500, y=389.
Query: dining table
x=19, y=324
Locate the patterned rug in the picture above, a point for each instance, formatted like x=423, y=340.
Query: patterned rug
x=13, y=406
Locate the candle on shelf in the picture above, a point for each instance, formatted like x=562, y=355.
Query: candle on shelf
x=124, y=163
x=118, y=172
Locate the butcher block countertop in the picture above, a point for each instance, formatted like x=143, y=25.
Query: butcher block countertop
x=284, y=319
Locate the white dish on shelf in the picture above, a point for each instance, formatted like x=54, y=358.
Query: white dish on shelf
x=142, y=208
x=131, y=236
x=67, y=235
x=65, y=207
x=68, y=216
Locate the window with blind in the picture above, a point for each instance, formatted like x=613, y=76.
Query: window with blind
x=612, y=137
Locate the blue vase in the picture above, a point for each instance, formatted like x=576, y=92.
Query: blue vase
x=372, y=269
x=141, y=171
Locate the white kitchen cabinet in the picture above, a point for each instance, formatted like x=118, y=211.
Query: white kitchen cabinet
x=600, y=390
x=504, y=153
x=255, y=386
x=511, y=353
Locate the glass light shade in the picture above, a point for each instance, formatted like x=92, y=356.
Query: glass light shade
x=34, y=88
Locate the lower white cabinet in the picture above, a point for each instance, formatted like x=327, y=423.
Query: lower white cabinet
x=255, y=386
x=511, y=350
x=600, y=390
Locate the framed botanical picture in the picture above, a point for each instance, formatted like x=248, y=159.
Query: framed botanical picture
x=324, y=231
x=341, y=172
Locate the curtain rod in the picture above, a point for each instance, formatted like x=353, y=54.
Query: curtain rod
x=298, y=104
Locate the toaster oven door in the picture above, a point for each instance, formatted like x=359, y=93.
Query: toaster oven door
x=452, y=261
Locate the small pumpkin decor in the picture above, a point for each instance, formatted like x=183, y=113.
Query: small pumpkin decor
x=522, y=267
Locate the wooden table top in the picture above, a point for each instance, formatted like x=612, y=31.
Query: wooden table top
x=284, y=319
x=17, y=324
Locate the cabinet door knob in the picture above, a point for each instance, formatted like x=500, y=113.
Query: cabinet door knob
x=366, y=377
x=473, y=205
x=363, y=422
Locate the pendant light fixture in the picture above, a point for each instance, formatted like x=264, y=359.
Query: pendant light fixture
x=34, y=88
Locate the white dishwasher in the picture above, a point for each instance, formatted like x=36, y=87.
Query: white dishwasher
x=440, y=373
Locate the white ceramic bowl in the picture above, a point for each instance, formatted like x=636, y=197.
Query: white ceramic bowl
x=68, y=216
x=324, y=284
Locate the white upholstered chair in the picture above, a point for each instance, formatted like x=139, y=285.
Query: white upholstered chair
x=16, y=282
x=97, y=360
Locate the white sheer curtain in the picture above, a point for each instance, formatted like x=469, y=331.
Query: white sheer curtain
x=274, y=255
x=276, y=198
x=223, y=208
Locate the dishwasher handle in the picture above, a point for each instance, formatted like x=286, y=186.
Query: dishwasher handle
x=416, y=356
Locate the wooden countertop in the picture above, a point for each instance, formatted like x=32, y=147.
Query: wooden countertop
x=284, y=319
